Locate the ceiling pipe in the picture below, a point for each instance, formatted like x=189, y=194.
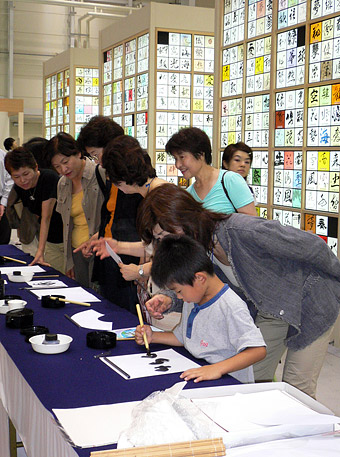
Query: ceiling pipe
x=10, y=39
x=81, y=4
x=89, y=17
x=71, y=22
x=87, y=22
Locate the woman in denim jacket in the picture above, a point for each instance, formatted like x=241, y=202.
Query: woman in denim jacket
x=79, y=202
x=289, y=275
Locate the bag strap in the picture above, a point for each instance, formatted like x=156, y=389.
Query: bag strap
x=226, y=192
x=100, y=181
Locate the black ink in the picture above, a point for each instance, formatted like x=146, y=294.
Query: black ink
x=163, y=368
x=152, y=355
x=159, y=361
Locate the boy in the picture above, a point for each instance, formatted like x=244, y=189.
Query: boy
x=215, y=325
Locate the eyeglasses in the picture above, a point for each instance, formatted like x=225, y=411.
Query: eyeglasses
x=94, y=158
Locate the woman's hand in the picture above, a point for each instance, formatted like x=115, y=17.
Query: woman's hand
x=129, y=272
x=99, y=247
x=70, y=273
x=39, y=258
x=86, y=248
x=139, y=334
x=157, y=305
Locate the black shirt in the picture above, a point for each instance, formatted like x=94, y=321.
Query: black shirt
x=32, y=199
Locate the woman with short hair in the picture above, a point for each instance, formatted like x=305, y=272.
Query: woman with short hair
x=218, y=190
x=37, y=189
x=79, y=202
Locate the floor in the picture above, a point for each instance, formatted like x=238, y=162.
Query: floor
x=328, y=391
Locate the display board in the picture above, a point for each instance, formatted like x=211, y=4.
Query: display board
x=279, y=92
x=57, y=103
x=125, y=86
x=71, y=91
x=161, y=78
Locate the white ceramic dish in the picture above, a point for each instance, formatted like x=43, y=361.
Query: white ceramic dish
x=24, y=277
x=38, y=346
x=3, y=308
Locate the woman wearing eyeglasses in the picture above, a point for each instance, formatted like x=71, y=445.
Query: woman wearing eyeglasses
x=79, y=202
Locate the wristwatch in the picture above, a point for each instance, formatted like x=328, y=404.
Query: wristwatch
x=141, y=270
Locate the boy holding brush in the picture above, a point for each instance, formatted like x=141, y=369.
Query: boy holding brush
x=215, y=325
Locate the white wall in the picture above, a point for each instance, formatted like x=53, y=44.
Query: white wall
x=40, y=32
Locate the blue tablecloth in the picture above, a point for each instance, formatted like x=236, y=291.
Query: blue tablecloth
x=75, y=378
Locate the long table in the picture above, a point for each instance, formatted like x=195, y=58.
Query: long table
x=32, y=384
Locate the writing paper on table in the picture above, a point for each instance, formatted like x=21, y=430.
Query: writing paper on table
x=90, y=319
x=23, y=270
x=141, y=366
x=70, y=293
x=46, y=284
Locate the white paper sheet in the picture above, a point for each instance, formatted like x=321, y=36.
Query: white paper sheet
x=46, y=284
x=112, y=253
x=90, y=319
x=139, y=366
x=110, y=420
x=70, y=293
x=28, y=269
x=312, y=446
x=96, y=425
x=253, y=411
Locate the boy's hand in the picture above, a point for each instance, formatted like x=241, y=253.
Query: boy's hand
x=157, y=305
x=206, y=373
x=139, y=334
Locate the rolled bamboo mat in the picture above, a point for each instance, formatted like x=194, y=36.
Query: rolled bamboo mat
x=200, y=448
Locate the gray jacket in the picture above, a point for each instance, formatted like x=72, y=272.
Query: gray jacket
x=92, y=202
x=285, y=272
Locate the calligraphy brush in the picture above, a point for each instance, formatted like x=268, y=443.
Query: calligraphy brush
x=140, y=317
x=13, y=260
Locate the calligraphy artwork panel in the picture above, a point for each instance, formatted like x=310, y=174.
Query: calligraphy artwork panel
x=258, y=65
x=260, y=17
x=289, y=112
x=290, y=58
x=287, y=178
x=256, y=128
x=324, y=50
x=231, y=121
x=291, y=13
x=322, y=181
x=258, y=176
x=233, y=21
x=286, y=217
x=325, y=227
x=232, y=71
x=323, y=126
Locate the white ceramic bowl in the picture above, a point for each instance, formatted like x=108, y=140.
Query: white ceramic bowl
x=24, y=277
x=38, y=346
x=16, y=304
